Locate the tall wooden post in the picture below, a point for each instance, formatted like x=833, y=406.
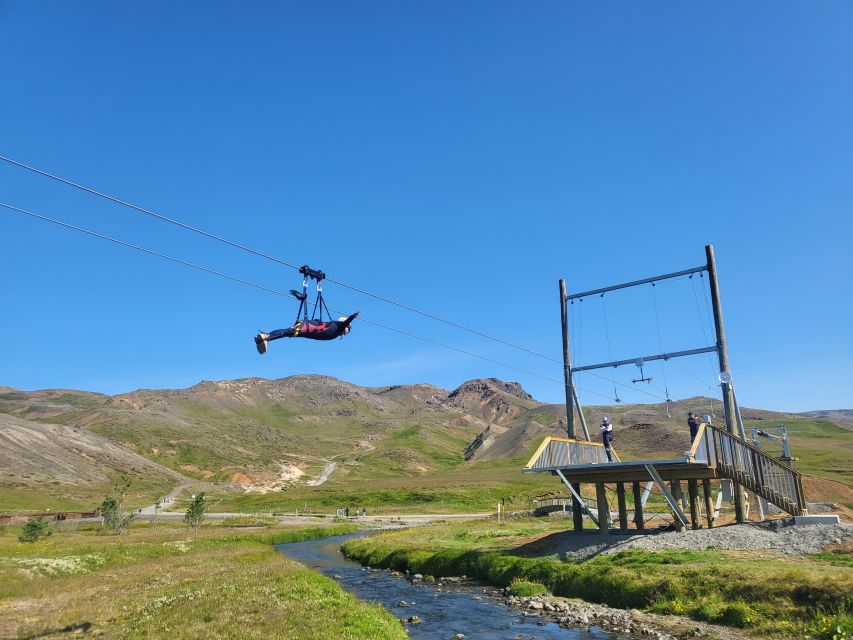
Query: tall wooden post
x=577, y=512
x=603, y=508
x=623, y=508
x=693, y=494
x=675, y=489
x=567, y=370
x=723, y=355
x=709, y=502
x=639, y=520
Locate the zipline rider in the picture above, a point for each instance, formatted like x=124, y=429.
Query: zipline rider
x=315, y=327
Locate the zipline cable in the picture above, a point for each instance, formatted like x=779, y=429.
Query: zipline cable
x=660, y=345
x=261, y=254
x=256, y=285
x=282, y=262
x=609, y=352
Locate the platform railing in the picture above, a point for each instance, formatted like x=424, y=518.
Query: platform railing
x=565, y=452
x=749, y=466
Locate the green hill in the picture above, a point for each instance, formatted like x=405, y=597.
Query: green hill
x=279, y=444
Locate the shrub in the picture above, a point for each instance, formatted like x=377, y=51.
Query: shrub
x=832, y=627
x=35, y=530
x=114, y=517
x=525, y=588
x=195, y=512
x=737, y=614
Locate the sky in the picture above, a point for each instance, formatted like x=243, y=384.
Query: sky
x=459, y=158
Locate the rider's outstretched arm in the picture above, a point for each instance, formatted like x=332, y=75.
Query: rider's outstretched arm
x=345, y=323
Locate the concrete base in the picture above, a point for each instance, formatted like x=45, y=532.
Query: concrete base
x=821, y=519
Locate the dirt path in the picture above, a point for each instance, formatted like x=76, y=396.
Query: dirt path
x=324, y=475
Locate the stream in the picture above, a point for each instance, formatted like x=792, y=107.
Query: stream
x=475, y=610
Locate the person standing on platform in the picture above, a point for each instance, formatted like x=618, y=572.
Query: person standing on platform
x=693, y=423
x=607, y=437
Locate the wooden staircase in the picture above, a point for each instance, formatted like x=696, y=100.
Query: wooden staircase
x=745, y=464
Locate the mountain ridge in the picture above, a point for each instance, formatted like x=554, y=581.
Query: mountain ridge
x=275, y=436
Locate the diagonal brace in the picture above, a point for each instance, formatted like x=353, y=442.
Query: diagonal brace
x=579, y=499
x=671, y=501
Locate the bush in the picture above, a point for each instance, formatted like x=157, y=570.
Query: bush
x=35, y=530
x=737, y=614
x=249, y=521
x=195, y=513
x=113, y=514
x=525, y=588
x=832, y=627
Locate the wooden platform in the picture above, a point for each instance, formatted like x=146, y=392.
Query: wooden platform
x=714, y=455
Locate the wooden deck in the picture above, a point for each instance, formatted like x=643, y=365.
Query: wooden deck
x=715, y=455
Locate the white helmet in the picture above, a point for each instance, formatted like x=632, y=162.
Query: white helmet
x=342, y=318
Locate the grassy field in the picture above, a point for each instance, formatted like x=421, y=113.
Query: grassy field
x=85, y=497
x=165, y=582
x=771, y=595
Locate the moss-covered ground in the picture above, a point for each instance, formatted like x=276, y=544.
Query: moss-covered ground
x=771, y=595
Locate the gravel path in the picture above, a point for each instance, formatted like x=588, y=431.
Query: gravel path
x=779, y=535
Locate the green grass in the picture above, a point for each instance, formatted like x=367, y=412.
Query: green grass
x=155, y=582
x=772, y=596
x=17, y=498
x=525, y=588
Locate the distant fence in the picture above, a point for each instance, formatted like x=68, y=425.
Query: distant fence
x=48, y=515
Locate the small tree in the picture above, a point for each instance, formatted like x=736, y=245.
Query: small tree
x=112, y=508
x=195, y=512
x=35, y=530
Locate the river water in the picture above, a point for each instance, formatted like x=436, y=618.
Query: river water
x=476, y=611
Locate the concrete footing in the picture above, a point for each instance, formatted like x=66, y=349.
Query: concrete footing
x=818, y=519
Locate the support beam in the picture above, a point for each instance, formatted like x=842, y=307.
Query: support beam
x=695, y=513
x=719, y=503
x=639, y=503
x=723, y=356
x=567, y=367
x=577, y=497
x=709, y=502
x=577, y=508
x=680, y=518
x=603, y=508
x=623, y=508
x=648, y=491
x=656, y=356
x=580, y=412
x=676, y=494
x=634, y=283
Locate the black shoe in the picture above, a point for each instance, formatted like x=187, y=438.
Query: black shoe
x=261, y=342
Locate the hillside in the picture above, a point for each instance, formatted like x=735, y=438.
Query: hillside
x=842, y=417
x=319, y=440
x=58, y=466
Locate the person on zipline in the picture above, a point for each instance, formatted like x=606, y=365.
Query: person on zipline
x=607, y=437
x=312, y=329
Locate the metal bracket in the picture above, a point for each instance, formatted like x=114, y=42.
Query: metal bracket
x=308, y=272
x=579, y=499
x=671, y=501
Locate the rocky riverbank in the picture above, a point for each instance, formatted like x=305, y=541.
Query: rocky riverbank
x=578, y=613
x=574, y=613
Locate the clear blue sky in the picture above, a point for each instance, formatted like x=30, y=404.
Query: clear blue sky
x=459, y=157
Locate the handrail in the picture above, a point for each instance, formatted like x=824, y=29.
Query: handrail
x=567, y=452
x=759, y=472
x=700, y=434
